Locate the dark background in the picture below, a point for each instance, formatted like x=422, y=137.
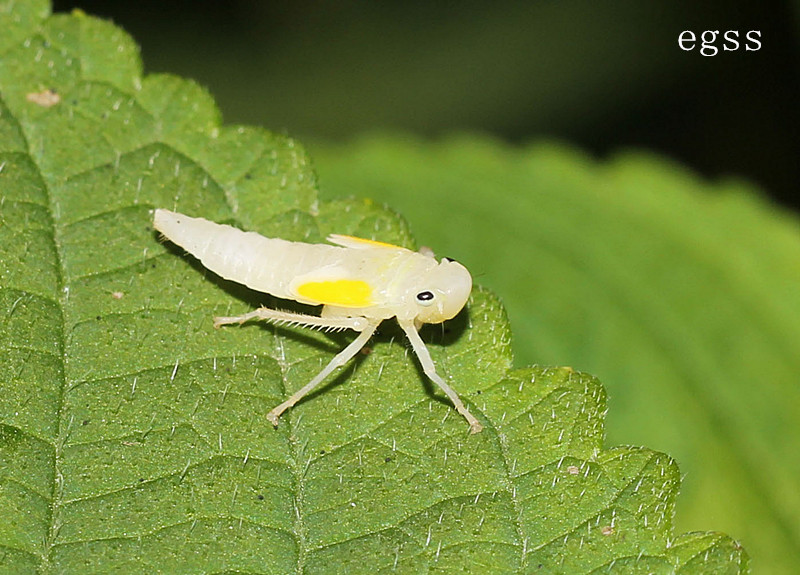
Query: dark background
x=604, y=76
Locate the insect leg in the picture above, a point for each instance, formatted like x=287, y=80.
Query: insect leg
x=340, y=359
x=430, y=370
x=288, y=318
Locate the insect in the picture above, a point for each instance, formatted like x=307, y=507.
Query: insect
x=358, y=282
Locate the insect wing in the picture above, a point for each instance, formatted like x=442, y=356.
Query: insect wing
x=355, y=243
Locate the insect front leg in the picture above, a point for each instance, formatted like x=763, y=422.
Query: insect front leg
x=339, y=360
x=430, y=370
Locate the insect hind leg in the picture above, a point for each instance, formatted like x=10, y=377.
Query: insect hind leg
x=289, y=319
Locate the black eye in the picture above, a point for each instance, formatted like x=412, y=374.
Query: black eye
x=448, y=259
x=424, y=296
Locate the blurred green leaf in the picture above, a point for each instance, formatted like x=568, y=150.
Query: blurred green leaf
x=133, y=436
x=681, y=295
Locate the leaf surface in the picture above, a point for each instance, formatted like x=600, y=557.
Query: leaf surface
x=133, y=435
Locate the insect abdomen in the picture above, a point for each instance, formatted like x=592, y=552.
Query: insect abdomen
x=244, y=257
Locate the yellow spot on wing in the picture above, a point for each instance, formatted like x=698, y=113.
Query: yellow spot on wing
x=344, y=293
x=354, y=242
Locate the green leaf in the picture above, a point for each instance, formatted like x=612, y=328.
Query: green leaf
x=682, y=295
x=133, y=435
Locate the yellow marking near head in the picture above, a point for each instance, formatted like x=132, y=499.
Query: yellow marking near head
x=359, y=243
x=344, y=293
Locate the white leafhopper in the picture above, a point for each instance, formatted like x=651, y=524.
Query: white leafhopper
x=358, y=282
